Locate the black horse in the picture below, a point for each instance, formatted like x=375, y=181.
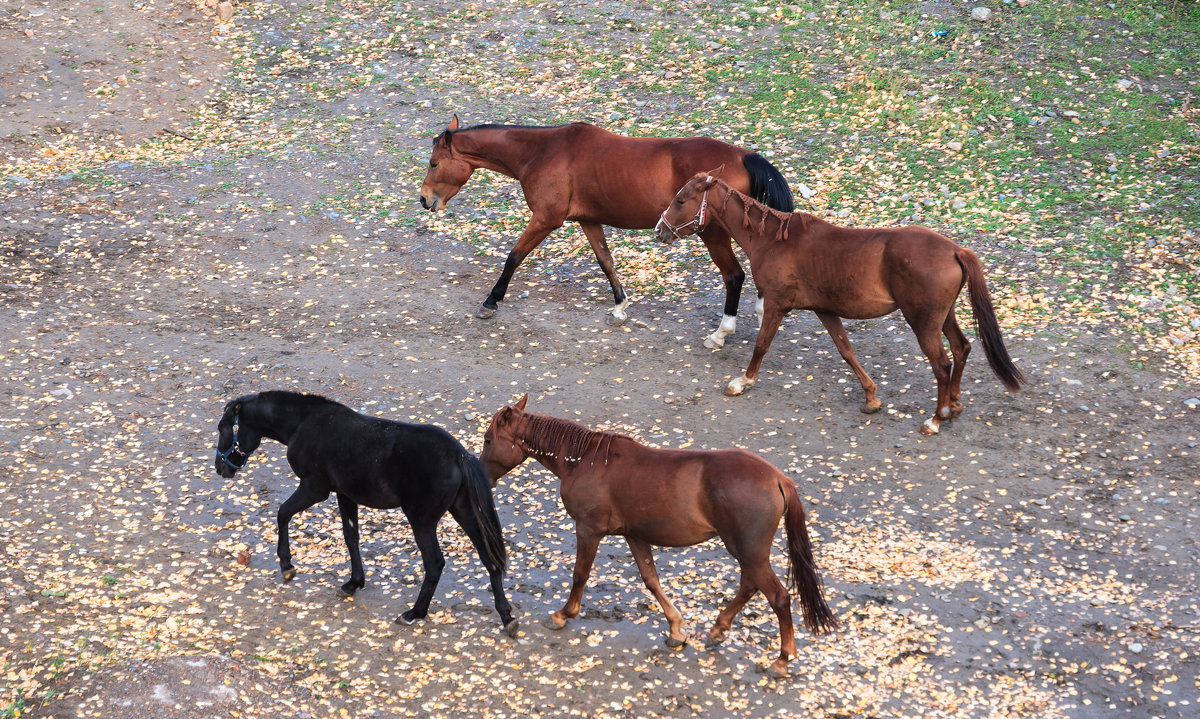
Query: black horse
x=377, y=463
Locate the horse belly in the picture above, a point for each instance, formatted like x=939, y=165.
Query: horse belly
x=670, y=531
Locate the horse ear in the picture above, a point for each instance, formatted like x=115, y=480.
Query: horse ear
x=714, y=174
x=453, y=123
x=521, y=404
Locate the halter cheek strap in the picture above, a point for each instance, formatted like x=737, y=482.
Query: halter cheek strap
x=233, y=447
x=698, y=220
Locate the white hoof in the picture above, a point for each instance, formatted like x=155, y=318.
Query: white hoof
x=929, y=427
x=738, y=386
x=715, y=341
x=618, y=312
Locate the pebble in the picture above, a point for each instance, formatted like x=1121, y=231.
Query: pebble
x=958, y=204
x=981, y=14
x=1125, y=518
x=1192, y=403
x=955, y=146
x=1136, y=648
x=805, y=191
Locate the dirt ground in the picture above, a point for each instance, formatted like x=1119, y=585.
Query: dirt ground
x=1037, y=558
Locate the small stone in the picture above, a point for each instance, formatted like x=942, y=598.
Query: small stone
x=1192, y=403
x=1136, y=648
x=805, y=191
x=614, y=115
x=1040, y=502
x=954, y=146
x=1125, y=83
x=1125, y=518
x=981, y=14
x=958, y=204
x=225, y=11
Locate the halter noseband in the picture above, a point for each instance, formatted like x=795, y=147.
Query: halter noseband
x=233, y=448
x=697, y=219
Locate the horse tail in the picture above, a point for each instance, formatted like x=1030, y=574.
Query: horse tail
x=802, y=571
x=767, y=184
x=478, y=488
x=985, y=321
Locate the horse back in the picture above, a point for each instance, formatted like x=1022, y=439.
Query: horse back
x=376, y=462
x=626, y=182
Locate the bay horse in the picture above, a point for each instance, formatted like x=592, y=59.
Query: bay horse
x=583, y=173
x=373, y=462
x=800, y=261
x=612, y=485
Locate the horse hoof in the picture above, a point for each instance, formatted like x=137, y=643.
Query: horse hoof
x=775, y=672
x=289, y=574
x=711, y=642
x=871, y=408
x=552, y=623
x=512, y=628
x=408, y=618
x=714, y=344
x=485, y=313
x=346, y=593
x=929, y=427
x=674, y=643
x=615, y=321
x=955, y=410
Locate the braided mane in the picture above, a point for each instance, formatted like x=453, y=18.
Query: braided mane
x=555, y=437
x=783, y=218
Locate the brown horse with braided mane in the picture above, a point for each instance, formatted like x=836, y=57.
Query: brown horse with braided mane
x=611, y=485
x=586, y=174
x=802, y=262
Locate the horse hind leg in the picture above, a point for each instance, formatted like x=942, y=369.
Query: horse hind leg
x=595, y=236
x=960, y=347
x=724, y=623
x=929, y=337
x=644, y=557
x=467, y=520
x=763, y=577
x=348, y=508
x=424, y=531
x=837, y=331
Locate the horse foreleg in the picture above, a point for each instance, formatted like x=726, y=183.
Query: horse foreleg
x=425, y=532
x=348, y=508
x=533, y=235
x=644, y=556
x=772, y=317
x=585, y=553
x=301, y=499
x=721, y=251
x=595, y=236
x=833, y=325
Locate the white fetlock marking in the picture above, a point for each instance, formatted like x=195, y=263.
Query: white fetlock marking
x=758, y=310
x=619, y=310
x=945, y=412
x=740, y=384
x=931, y=426
x=716, y=340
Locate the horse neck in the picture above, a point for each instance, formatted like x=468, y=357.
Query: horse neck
x=493, y=149
x=560, y=445
x=748, y=221
x=279, y=414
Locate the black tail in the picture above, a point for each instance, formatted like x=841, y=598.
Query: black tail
x=767, y=185
x=479, y=494
x=985, y=320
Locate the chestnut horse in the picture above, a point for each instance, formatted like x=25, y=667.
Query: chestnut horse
x=583, y=173
x=802, y=262
x=611, y=485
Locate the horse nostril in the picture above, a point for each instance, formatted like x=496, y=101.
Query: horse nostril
x=424, y=203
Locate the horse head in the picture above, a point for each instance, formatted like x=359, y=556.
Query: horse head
x=501, y=446
x=447, y=172
x=238, y=440
x=687, y=213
